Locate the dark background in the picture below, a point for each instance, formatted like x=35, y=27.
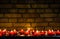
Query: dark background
x=36, y=14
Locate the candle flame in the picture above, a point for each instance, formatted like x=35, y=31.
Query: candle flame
x=14, y=30
x=37, y=31
x=11, y=31
x=52, y=30
x=0, y=29
x=4, y=30
x=22, y=30
x=57, y=30
x=42, y=31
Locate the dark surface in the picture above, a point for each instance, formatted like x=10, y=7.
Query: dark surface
x=30, y=37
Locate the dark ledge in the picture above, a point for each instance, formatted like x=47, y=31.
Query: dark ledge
x=30, y=37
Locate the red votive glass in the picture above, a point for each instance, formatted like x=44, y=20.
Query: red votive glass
x=21, y=31
x=57, y=32
x=12, y=33
x=4, y=32
x=1, y=33
x=51, y=33
x=27, y=32
x=42, y=33
x=37, y=33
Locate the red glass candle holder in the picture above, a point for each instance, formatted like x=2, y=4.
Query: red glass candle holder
x=1, y=33
x=57, y=32
x=21, y=31
x=37, y=33
x=51, y=33
x=42, y=33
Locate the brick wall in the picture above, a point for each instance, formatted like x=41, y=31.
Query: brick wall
x=41, y=15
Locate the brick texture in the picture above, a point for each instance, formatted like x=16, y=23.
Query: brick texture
x=1, y=15
x=12, y=15
x=37, y=14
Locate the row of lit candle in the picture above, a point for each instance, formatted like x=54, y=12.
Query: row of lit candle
x=28, y=32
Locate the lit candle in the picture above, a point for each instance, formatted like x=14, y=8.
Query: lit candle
x=4, y=32
x=27, y=33
x=7, y=33
x=51, y=33
x=12, y=33
x=37, y=33
x=33, y=31
x=15, y=32
x=1, y=33
x=57, y=32
x=42, y=33
x=21, y=31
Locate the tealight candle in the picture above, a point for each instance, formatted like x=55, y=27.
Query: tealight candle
x=27, y=33
x=42, y=33
x=12, y=32
x=4, y=32
x=21, y=31
x=37, y=33
x=57, y=32
x=15, y=32
x=51, y=33
x=1, y=33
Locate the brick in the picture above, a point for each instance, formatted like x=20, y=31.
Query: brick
x=13, y=10
x=56, y=10
x=31, y=10
x=26, y=20
x=48, y=10
x=3, y=20
x=6, y=5
x=19, y=24
x=49, y=19
x=54, y=24
x=33, y=24
x=13, y=1
x=4, y=1
x=22, y=25
x=40, y=28
x=42, y=24
x=29, y=20
x=21, y=19
x=4, y=10
x=40, y=10
x=12, y=15
x=48, y=15
x=13, y=20
x=22, y=10
x=30, y=15
x=47, y=28
x=39, y=20
x=27, y=24
x=22, y=6
x=59, y=15
x=39, y=6
x=57, y=19
x=1, y=15
x=55, y=5
x=6, y=24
